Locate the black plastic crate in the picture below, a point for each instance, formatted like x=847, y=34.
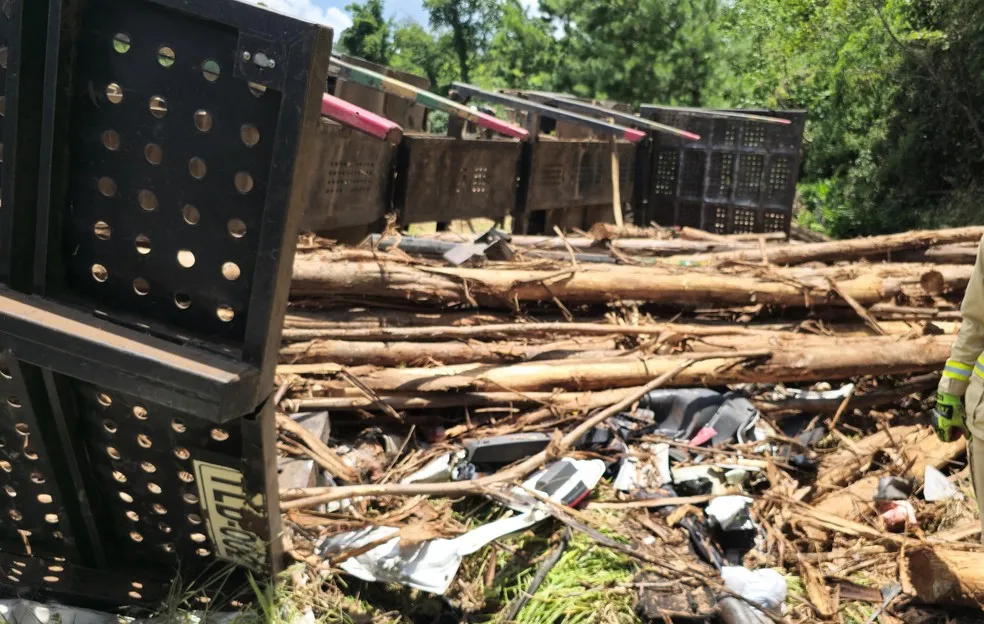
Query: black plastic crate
x=22, y=38
x=739, y=178
x=174, y=166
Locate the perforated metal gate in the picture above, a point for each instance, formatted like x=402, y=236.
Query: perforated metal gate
x=739, y=178
x=572, y=174
x=136, y=438
x=444, y=178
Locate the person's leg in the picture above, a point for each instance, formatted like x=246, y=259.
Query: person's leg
x=975, y=455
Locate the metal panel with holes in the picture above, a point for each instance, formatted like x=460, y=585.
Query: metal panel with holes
x=444, y=178
x=573, y=174
x=355, y=175
x=102, y=484
x=22, y=28
x=175, y=165
x=739, y=178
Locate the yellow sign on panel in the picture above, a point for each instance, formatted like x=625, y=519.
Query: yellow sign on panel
x=225, y=503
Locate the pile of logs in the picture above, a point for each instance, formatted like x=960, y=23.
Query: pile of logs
x=375, y=330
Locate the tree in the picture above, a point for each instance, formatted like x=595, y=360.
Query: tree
x=471, y=24
x=370, y=34
x=418, y=51
x=523, y=52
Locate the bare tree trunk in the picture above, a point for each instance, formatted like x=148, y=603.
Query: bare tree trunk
x=944, y=576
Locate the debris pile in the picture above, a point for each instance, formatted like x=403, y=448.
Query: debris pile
x=714, y=426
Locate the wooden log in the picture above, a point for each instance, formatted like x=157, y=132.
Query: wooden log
x=839, y=360
x=644, y=246
x=942, y=254
x=841, y=466
x=843, y=250
x=377, y=317
x=797, y=232
x=940, y=575
x=502, y=288
x=375, y=353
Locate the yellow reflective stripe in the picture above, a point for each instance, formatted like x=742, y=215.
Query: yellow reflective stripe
x=979, y=370
x=961, y=365
x=957, y=377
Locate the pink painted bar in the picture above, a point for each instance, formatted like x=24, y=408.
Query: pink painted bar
x=351, y=115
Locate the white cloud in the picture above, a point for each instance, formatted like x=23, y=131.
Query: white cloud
x=309, y=11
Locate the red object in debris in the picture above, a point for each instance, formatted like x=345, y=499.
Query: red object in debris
x=633, y=135
x=362, y=120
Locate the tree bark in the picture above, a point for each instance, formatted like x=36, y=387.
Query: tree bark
x=844, y=250
x=943, y=576
x=871, y=399
x=839, y=360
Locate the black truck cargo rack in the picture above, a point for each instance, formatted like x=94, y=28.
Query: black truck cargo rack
x=145, y=270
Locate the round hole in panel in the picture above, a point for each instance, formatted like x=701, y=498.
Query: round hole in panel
x=112, y=452
x=153, y=153
x=30, y=454
x=109, y=426
x=203, y=120
x=11, y=492
x=147, y=200
x=45, y=499
x=230, y=271
x=159, y=509
x=203, y=552
x=198, y=537
x=15, y=515
x=132, y=515
x=136, y=585
x=21, y=428
x=158, y=106
x=190, y=214
x=143, y=244
x=257, y=89
x=219, y=435
x=104, y=399
x=165, y=56
x=121, y=43
x=51, y=518
x=51, y=579
x=249, y=134
x=140, y=412
x=185, y=476
x=141, y=286
x=236, y=227
x=136, y=536
x=56, y=568
x=194, y=519
x=178, y=425
x=99, y=273
x=153, y=488
x=5, y=466
x=15, y=403
x=144, y=441
x=182, y=300
x=37, y=477
x=134, y=595
x=211, y=70
x=225, y=313
x=126, y=498
x=181, y=453
x=114, y=93
x=244, y=182
x=119, y=476
x=197, y=168
x=190, y=498
x=165, y=529
x=107, y=186
x=3, y=57
x=5, y=373
x=168, y=548
x=111, y=140
x=102, y=230
x=148, y=467
x=186, y=258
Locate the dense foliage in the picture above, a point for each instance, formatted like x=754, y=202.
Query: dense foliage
x=894, y=88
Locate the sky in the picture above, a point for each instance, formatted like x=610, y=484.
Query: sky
x=333, y=13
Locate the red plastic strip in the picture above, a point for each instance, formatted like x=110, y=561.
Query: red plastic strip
x=362, y=120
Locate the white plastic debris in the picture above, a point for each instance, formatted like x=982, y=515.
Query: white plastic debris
x=821, y=392
x=730, y=512
x=937, y=487
x=432, y=565
x=627, y=478
x=30, y=612
x=436, y=471
x=764, y=587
